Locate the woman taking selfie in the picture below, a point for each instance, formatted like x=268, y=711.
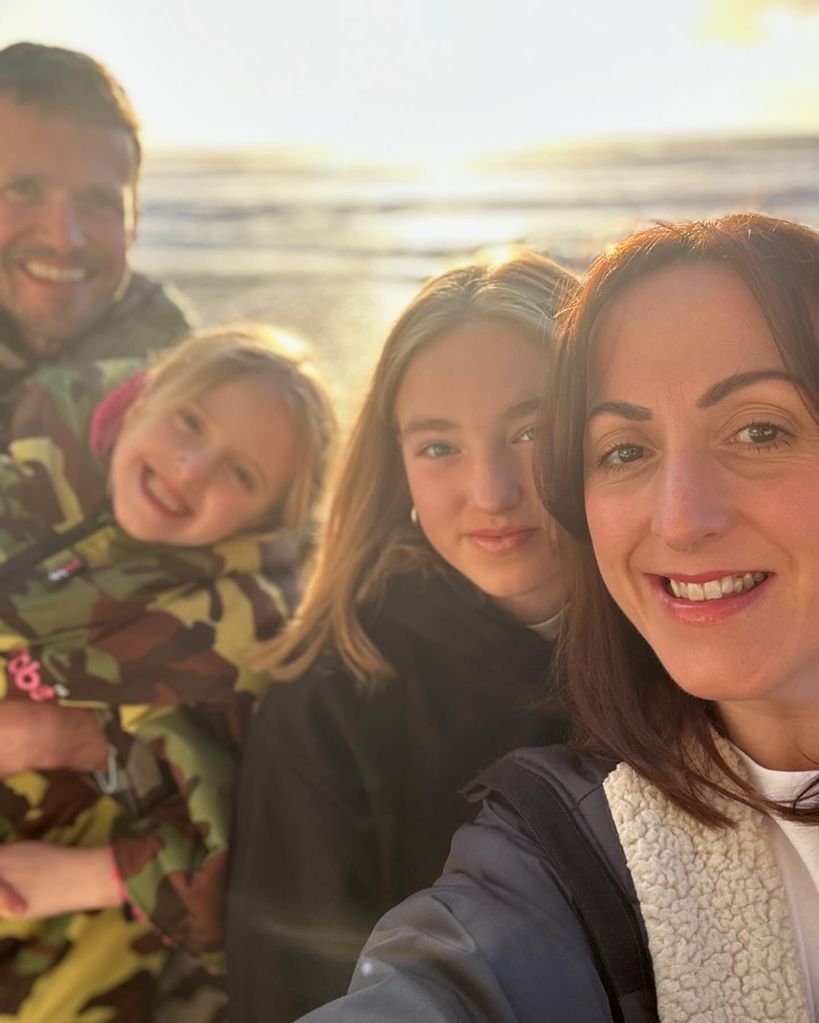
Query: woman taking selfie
x=425, y=634
x=681, y=451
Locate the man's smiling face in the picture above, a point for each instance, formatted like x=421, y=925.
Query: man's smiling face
x=67, y=219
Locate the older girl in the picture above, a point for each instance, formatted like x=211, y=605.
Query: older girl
x=682, y=452
x=425, y=633
x=137, y=572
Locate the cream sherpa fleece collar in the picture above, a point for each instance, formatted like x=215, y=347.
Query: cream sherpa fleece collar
x=714, y=908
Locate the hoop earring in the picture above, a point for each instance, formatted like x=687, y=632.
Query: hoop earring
x=414, y=516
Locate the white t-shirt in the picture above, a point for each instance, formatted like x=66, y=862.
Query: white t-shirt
x=796, y=849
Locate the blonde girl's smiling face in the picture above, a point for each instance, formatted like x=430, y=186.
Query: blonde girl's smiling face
x=702, y=488
x=211, y=467
x=465, y=412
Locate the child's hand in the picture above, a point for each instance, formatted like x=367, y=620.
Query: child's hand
x=44, y=736
x=40, y=880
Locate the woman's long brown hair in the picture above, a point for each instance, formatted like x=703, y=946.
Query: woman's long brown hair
x=624, y=703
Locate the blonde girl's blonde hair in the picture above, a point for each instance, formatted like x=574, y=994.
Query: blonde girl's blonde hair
x=368, y=535
x=210, y=358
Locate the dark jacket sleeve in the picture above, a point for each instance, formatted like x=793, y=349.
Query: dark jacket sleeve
x=312, y=853
x=493, y=941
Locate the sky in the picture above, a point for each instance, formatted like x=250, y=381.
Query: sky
x=434, y=77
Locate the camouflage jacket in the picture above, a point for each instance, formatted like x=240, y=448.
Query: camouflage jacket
x=147, y=319
x=153, y=637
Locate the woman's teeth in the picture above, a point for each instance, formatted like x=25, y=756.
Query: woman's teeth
x=716, y=589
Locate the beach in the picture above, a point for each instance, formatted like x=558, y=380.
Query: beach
x=333, y=249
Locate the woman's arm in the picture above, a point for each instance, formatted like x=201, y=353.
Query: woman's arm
x=494, y=941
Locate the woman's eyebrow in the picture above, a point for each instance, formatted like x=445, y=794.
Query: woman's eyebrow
x=722, y=388
x=422, y=425
x=624, y=409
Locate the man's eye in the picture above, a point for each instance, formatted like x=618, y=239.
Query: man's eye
x=101, y=200
x=24, y=189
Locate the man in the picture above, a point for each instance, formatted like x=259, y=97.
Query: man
x=69, y=166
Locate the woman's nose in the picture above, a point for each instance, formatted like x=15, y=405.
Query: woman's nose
x=692, y=503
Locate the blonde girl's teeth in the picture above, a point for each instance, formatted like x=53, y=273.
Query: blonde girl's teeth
x=695, y=591
x=726, y=585
x=712, y=589
x=675, y=589
x=758, y=577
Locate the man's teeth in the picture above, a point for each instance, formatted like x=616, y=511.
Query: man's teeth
x=159, y=491
x=715, y=589
x=56, y=274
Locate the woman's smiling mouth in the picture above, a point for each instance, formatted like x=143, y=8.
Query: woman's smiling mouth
x=715, y=588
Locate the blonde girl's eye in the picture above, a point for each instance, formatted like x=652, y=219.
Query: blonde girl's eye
x=242, y=476
x=189, y=420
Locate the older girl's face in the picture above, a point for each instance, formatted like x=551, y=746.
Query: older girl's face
x=466, y=409
x=702, y=488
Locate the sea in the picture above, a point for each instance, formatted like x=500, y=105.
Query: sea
x=331, y=248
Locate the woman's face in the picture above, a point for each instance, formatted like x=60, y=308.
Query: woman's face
x=466, y=410
x=208, y=469
x=702, y=488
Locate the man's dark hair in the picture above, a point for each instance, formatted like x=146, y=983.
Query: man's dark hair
x=67, y=82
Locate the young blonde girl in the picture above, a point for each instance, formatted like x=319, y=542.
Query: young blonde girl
x=149, y=541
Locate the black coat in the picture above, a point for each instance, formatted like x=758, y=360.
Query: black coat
x=498, y=938
x=349, y=800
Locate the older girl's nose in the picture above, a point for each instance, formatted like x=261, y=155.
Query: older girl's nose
x=494, y=484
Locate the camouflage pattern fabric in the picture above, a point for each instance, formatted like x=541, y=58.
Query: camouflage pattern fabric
x=153, y=638
x=147, y=319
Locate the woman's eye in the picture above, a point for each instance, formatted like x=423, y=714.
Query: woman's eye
x=761, y=434
x=527, y=435
x=620, y=455
x=436, y=450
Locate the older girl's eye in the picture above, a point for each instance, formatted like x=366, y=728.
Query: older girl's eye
x=762, y=435
x=437, y=449
x=526, y=436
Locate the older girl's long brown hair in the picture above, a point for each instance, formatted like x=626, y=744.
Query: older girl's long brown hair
x=368, y=534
